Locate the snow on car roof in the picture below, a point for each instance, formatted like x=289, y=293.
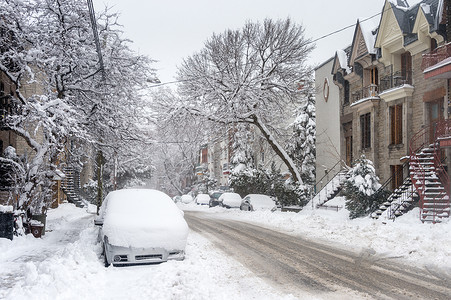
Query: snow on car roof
x=144, y=218
x=261, y=200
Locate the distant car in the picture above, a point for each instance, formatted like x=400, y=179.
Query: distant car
x=202, y=199
x=230, y=200
x=141, y=226
x=187, y=199
x=258, y=202
x=214, y=199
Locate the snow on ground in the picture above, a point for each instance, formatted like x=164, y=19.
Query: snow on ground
x=66, y=264
x=406, y=238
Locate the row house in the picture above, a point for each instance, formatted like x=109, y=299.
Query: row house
x=393, y=100
x=66, y=179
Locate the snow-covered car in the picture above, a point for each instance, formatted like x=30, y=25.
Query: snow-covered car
x=202, y=199
x=230, y=200
x=177, y=199
x=214, y=199
x=258, y=202
x=187, y=199
x=141, y=226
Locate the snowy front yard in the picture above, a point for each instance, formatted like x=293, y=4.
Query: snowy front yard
x=66, y=262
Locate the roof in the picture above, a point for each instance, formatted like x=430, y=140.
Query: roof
x=406, y=16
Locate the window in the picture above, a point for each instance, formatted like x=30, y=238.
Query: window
x=365, y=127
x=406, y=68
x=396, y=124
x=397, y=176
x=433, y=44
x=346, y=91
x=204, y=155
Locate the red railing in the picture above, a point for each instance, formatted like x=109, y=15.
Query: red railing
x=418, y=173
x=434, y=57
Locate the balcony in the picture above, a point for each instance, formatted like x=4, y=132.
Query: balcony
x=395, y=80
x=366, y=92
x=437, y=63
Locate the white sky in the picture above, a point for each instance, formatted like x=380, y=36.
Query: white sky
x=171, y=30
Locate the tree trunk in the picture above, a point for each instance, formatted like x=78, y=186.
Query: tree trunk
x=278, y=149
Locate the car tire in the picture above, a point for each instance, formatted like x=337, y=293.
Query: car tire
x=105, y=259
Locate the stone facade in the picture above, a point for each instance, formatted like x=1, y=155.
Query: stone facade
x=383, y=77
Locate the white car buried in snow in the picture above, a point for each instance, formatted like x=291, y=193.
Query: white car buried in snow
x=230, y=200
x=141, y=226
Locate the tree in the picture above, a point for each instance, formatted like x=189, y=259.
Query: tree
x=360, y=187
x=301, y=145
x=248, y=76
x=49, y=56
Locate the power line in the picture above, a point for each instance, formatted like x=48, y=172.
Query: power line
x=310, y=42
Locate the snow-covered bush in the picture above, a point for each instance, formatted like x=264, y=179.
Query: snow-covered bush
x=246, y=181
x=360, y=188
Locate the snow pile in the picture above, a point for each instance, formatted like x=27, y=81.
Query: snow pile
x=143, y=218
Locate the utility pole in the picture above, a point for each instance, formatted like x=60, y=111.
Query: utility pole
x=100, y=158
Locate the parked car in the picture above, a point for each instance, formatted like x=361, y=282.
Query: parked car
x=177, y=199
x=202, y=199
x=141, y=226
x=187, y=199
x=214, y=199
x=230, y=200
x=258, y=202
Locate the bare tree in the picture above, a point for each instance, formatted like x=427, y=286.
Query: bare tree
x=249, y=76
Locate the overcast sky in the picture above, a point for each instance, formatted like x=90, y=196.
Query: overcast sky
x=171, y=30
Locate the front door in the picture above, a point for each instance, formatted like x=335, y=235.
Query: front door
x=435, y=109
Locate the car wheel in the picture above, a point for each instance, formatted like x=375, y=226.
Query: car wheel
x=105, y=259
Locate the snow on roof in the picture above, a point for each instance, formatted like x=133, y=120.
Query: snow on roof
x=343, y=60
x=369, y=32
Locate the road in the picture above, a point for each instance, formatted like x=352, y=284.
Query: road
x=295, y=264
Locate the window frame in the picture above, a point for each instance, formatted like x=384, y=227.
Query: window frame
x=365, y=131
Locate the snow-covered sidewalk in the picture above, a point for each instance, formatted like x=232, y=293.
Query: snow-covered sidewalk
x=66, y=264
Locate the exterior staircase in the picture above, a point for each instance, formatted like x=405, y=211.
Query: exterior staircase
x=428, y=173
x=400, y=201
x=71, y=186
x=331, y=189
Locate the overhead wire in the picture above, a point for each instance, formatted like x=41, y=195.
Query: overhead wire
x=309, y=42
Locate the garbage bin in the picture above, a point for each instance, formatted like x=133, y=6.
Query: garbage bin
x=36, y=228
x=41, y=218
x=6, y=225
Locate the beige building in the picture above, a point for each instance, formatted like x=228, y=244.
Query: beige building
x=394, y=100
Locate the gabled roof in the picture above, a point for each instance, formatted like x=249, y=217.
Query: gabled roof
x=364, y=39
x=341, y=60
x=406, y=16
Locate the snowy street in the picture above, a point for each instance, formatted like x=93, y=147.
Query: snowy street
x=220, y=264
x=298, y=264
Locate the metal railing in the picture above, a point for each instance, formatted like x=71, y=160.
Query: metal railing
x=434, y=57
x=366, y=92
x=419, y=173
x=395, y=79
x=331, y=184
